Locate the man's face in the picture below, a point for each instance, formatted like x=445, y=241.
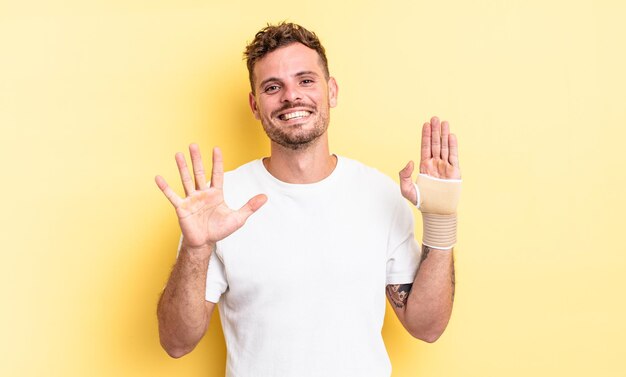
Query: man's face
x=292, y=97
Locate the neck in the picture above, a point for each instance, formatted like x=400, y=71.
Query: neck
x=308, y=165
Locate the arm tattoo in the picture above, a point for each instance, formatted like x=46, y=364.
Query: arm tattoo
x=399, y=294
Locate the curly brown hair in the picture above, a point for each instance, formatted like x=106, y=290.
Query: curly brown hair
x=273, y=37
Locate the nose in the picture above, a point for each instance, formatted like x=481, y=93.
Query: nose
x=291, y=93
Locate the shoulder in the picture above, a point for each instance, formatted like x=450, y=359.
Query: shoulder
x=375, y=192
x=363, y=174
x=242, y=183
x=243, y=172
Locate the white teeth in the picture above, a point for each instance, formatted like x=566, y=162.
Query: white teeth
x=295, y=114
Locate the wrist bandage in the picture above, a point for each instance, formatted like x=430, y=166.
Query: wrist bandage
x=438, y=199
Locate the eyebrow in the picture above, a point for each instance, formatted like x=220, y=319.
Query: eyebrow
x=301, y=73
x=304, y=73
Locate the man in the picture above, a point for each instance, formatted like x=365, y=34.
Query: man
x=300, y=284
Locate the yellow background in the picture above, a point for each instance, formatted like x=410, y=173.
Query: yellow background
x=97, y=96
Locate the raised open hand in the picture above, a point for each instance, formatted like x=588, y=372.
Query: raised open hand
x=439, y=157
x=203, y=216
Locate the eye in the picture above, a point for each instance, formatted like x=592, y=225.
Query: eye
x=307, y=82
x=271, y=89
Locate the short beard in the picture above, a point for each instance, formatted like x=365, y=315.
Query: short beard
x=299, y=140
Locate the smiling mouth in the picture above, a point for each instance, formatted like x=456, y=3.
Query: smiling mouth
x=294, y=115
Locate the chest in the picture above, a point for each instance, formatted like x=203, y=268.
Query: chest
x=295, y=246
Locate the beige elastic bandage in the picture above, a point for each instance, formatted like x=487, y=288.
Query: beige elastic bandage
x=438, y=199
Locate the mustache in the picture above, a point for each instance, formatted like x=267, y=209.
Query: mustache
x=288, y=106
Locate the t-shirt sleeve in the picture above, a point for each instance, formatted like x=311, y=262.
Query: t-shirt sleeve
x=216, y=283
x=403, y=251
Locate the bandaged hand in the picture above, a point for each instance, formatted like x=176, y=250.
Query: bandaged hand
x=437, y=189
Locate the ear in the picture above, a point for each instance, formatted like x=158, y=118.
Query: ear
x=333, y=90
x=253, y=106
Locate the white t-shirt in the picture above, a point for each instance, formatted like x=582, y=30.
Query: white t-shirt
x=301, y=286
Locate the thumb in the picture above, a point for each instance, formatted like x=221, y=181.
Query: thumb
x=250, y=207
x=406, y=183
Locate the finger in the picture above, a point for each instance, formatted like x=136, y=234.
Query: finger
x=454, y=151
x=167, y=190
x=406, y=183
x=445, y=132
x=217, y=172
x=249, y=208
x=435, y=143
x=198, y=167
x=426, y=152
x=406, y=172
x=184, y=173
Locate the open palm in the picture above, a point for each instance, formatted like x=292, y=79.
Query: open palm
x=203, y=215
x=439, y=157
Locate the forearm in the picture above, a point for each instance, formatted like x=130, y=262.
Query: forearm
x=429, y=304
x=182, y=310
x=436, y=193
